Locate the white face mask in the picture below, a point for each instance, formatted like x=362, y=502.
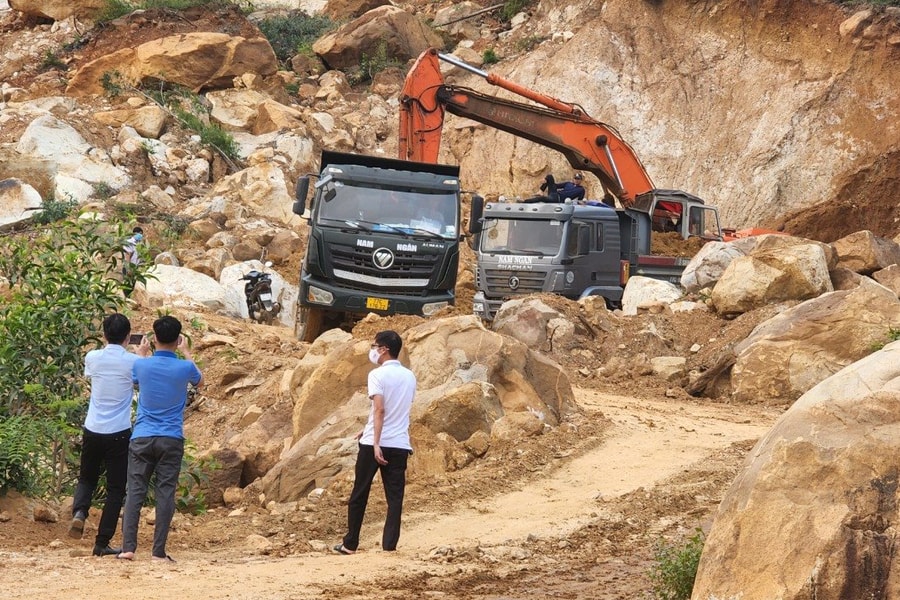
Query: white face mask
x=374, y=356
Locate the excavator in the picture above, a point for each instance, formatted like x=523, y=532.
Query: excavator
x=588, y=144
x=574, y=249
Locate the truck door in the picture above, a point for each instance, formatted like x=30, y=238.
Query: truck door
x=596, y=263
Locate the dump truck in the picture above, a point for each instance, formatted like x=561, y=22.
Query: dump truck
x=383, y=238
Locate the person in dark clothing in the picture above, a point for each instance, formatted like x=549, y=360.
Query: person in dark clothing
x=573, y=189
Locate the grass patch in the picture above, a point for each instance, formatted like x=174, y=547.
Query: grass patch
x=675, y=567
x=294, y=33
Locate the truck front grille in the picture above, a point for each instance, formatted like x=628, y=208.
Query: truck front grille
x=414, y=268
x=500, y=282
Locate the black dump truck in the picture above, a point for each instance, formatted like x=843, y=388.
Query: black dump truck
x=383, y=238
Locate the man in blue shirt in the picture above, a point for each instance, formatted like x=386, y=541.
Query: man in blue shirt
x=157, y=442
x=107, y=429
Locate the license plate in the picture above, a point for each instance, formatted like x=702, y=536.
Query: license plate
x=377, y=303
x=265, y=296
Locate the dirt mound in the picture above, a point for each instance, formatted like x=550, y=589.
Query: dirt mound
x=868, y=200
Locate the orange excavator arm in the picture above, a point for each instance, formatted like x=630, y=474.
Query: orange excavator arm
x=587, y=144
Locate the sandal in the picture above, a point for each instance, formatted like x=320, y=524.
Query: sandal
x=165, y=558
x=340, y=549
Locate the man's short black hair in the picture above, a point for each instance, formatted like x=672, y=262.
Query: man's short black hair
x=390, y=340
x=167, y=329
x=137, y=230
x=116, y=328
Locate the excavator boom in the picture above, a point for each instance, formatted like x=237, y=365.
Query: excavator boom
x=587, y=144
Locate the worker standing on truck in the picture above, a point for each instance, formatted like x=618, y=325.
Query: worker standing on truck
x=573, y=189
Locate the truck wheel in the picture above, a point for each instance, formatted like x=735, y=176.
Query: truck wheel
x=310, y=323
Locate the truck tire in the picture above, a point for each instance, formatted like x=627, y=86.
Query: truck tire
x=310, y=323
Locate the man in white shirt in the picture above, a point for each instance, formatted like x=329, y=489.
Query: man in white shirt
x=107, y=431
x=384, y=444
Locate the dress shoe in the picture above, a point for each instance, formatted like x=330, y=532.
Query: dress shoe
x=77, y=526
x=106, y=551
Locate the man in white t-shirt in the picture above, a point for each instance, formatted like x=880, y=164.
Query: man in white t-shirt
x=107, y=430
x=384, y=442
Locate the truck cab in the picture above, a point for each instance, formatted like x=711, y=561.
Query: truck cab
x=383, y=238
x=567, y=249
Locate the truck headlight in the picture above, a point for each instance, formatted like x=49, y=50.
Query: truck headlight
x=433, y=307
x=478, y=308
x=319, y=296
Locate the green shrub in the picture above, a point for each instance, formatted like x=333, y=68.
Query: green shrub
x=52, y=61
x=63, y=281
x=672, y=576
x=513, y=7
x=489, y=56
x=53, y=210
x=370, y=65
x=294, y=33
x=112, y=83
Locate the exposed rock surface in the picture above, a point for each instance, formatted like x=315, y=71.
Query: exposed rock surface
x=819, y=488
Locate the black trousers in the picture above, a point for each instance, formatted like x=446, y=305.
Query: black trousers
x=393, y=476
x=103, y=452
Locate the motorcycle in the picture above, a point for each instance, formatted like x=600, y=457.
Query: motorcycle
x=258, y=293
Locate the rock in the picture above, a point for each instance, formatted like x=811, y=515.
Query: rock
x=148, y=121
x=865, y=253
x=59, y=10
x=532, y=322
x=18, y=202
x=644, y=290
x=670, y=368
x=257, y=543
x=790, y=353
x=889, y=277
x=44, y=514
x=79, y=165
x=400, y=34
x=795, y=272
x=707, y=266
x=825, y=475
x=196, y=60
x=179, y=286
x=250, y=416
x=343, y=10
x=232, y=496
x=855, y=24
x=227, y=474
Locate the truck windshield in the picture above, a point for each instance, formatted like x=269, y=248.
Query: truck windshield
x=390, y=211
x=522, y=236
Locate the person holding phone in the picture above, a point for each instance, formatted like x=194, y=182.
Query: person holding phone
x=157, y=442
x=107, y=430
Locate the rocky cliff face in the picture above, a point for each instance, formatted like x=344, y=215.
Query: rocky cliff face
x=762, y=108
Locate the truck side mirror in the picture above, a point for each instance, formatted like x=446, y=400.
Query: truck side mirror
x=475, y=215
x=300, y=194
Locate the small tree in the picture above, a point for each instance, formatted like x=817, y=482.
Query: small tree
x=62, y=282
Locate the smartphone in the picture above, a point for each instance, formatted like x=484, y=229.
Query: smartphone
x=136, y=339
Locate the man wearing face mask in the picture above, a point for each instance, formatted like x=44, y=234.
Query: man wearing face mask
x=384, y=444
x=132, y=260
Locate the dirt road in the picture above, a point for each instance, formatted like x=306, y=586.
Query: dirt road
x=502, y=546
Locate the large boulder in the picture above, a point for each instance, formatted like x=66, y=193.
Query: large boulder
x=790, y=272
x=533, y=323
x=865, y=252
x=177, y=286
x=398, y=34
x=813, y=512
x=642, y=291
x=469, y=380
x=198, y=61
x=18, y=202
x=79, y=165
x=59, y=10
x=260, y=190
x=790, y=353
